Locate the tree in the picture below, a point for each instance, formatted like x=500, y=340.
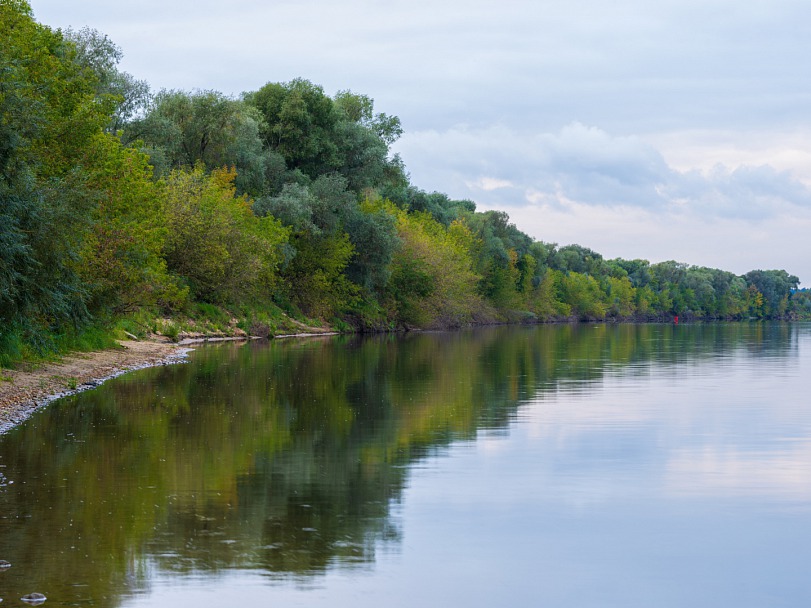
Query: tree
x=432, y=279
x=546, y=300
x=318, y=135
x=98, y=54
x=320, y=249
x=215, y=243
x=621, y=296
x=48, y=118
x=583, y=294
x=121, y=258
x=182, y=129
x=299, y=122
x=775, y=287
x=575, y=258
x=373, y=234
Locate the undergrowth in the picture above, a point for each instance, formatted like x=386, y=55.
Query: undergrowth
x=18, y=345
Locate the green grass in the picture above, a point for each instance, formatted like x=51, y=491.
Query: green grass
x=18, y=346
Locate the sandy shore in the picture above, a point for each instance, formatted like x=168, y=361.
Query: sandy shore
x=23, y=391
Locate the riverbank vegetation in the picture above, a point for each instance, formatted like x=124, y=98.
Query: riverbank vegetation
x=169, y=211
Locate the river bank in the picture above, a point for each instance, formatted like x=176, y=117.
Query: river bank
x=24, y=390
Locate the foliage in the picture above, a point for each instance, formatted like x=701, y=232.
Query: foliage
x=122, y=260
x=316, y=135
x=314, y=279
x=775, y=287
x=183, y=129
x=48, y=116
x=583, y=294
x=126, y=97
x=114, y=202
x=215, y=243
x=432, y=279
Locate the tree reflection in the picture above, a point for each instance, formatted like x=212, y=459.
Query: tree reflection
x=285, y=457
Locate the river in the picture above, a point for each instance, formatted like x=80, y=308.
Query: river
x=556, y=466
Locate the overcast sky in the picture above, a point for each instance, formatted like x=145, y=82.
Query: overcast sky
x=658, y=129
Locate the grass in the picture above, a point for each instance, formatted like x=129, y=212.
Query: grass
x=18, y=346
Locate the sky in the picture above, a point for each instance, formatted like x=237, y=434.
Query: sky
x=655, y=129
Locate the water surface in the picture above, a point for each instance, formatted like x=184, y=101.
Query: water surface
x=572, y=466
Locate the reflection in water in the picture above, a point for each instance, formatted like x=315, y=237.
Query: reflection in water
x=290, y=459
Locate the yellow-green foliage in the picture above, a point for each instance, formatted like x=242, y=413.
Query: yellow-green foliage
x=315, y=278
x=644, y=300
x=584, y=295
x=55, y=94
x=545, y=300
x=527, y=266
x=215, y=242
x=432, y=281
x=621, y=297
x=121, y=257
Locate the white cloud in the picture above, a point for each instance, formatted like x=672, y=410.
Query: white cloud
x=488, y=184
x=588, y=166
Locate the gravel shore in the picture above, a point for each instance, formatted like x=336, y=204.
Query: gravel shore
x=25, y=390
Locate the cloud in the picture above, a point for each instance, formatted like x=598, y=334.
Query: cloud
x=744, y=192
x=489, y=183
x=588, y=166
x=620, y=196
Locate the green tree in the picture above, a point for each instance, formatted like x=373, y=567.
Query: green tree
x=621, y=296
x=317, y=135
x=48, y=118
x=126, y=96
x=182, y=129
x=320, y=249
x=214, y=241
x=776, y=287
x=432, y=279
x=121, y=260
x=582, y=292
x=575, y=258
x=299, y=122
x=547, y=298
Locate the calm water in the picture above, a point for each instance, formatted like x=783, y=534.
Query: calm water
x=592, y=466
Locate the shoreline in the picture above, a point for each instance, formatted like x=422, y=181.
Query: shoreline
x=24, y=391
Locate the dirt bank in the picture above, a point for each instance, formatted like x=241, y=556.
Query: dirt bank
x=23, y=391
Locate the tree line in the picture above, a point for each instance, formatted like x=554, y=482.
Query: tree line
x=116, y=200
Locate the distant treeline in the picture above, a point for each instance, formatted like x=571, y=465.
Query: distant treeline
x=117, y=200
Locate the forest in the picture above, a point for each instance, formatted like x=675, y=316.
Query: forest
x=124, y=209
